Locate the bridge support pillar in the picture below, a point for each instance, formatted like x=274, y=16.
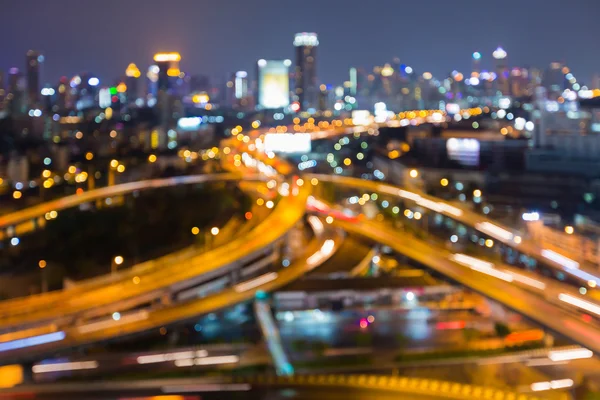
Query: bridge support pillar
x=27, y=372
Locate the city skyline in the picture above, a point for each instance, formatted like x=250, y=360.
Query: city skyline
x=118, y=41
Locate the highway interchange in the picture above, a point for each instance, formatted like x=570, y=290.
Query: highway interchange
x=101, y=296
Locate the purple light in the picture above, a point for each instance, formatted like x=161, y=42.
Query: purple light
x=13, y=71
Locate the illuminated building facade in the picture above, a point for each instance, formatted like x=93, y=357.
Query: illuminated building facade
x=273, y=83
x=305, y=73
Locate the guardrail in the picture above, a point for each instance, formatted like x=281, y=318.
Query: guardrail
x=396, y=384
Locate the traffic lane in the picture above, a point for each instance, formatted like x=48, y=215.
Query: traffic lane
x=158, y=318
x=287, y=212
x=527, y=304
x=468, y=217
x=74, y=200
x=408, y=329
x=187, y=392
x=352, y=251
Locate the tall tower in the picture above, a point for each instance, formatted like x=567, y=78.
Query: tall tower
x=33, y=59
x=306, y=70
x=502, y=70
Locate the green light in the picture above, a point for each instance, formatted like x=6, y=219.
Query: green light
x=113, y=91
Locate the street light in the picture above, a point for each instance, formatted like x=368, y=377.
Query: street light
x=214, y=231
x=118, y=260
x=42, y=264
x=414, y=173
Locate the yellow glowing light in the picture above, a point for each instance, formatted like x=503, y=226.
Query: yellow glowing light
x=300, y=182
x=504, y=131
x=414, y=173
x=114, y=163
x=132, y=71
x=152, y=158
x=444, y=182
x=46, y=173
x=121, y=87
x=136, y=280
x=569, y=230
x=48, y=183
x=72, y=169
x=119, y=260
x=200, y=98
x=260, y=202
x=89, y=156
x=214, y=231
x=270, y=204
x=195, y=230
x=121, y=168
x=42, y=264
x=394, y=154
x=329, y=219
x=489, y=243
x=79, y=135
x=314, y=181
x=477, y=193
x=164, y=57
x=109, y=113
x=173, y=72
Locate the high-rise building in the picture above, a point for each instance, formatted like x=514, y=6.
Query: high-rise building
x=241, y=84
x=133, y=75
x=306, y=70
x=273, y=84
x=502, y=72
x=168, y=64
x=33, y=59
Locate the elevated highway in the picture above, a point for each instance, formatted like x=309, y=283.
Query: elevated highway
x=154, y=318
x=532, y=305
x=509, y=237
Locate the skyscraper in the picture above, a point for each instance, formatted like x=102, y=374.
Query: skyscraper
x=306, y=70
x=33, y=59
x=501, y=70
x=168, y=64
x=133, y=76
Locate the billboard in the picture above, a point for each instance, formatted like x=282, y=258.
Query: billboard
x=273, y=84
x=287, y=143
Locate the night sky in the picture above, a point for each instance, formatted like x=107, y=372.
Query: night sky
x=217, y=37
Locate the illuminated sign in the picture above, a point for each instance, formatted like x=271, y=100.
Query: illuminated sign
x=189, y=124
x=361, y=117
x=167, y=57
x=273, y=84
x=287, y=143
x=464, y=151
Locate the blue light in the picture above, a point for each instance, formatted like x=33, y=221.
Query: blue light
x=32, y=341
x=15, y=241
x=476, y=55
x=93, y=81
